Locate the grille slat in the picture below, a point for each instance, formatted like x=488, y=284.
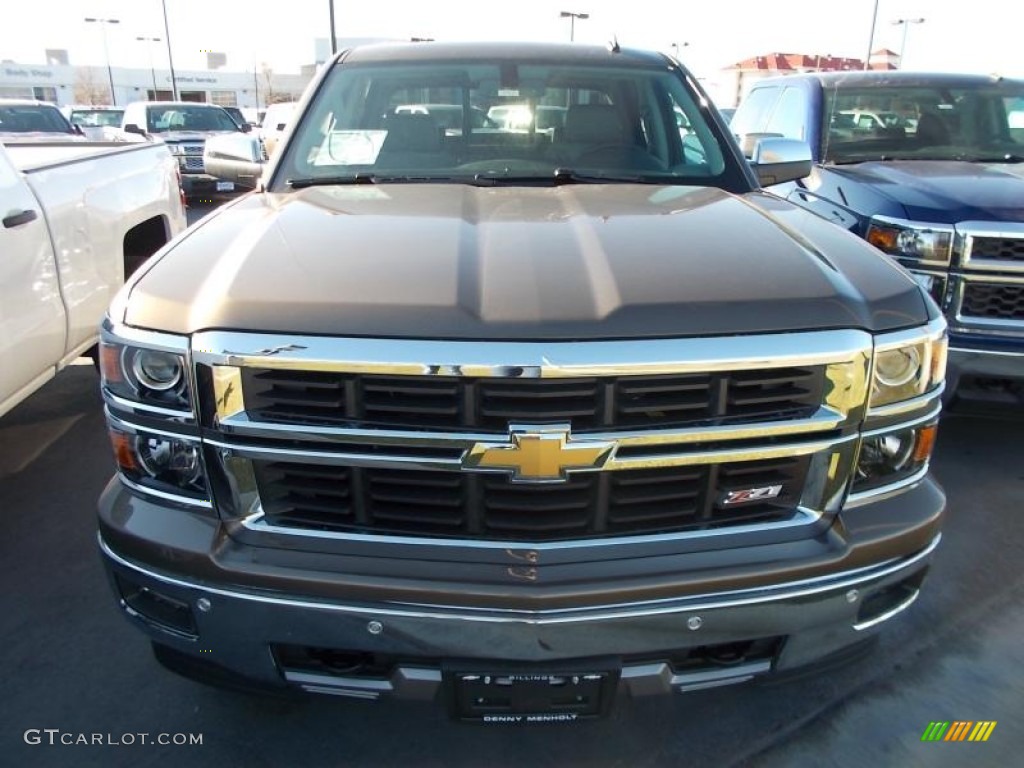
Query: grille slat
x=434, y=503
x=587, y=404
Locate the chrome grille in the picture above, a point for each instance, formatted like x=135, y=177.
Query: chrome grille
x=490, y=507
x=454, y=403
x=192, y=164
x=993, y=301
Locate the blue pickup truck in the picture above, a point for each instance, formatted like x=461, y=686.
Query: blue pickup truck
x=930, y=169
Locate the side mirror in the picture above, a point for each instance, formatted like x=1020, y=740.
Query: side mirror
x=236, y=157
x=776, y=160
x=245, y=127
x=133, y=128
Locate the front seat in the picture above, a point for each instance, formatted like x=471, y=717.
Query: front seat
x=597, y=135
x=932, y=130
x=412, y=141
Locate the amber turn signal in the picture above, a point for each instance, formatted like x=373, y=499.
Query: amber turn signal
x=883, y=239
x=124, y=451
x=925, y=442
x=110, y=363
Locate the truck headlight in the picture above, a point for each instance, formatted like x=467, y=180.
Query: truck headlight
x=907, y=369
x=911, y=239
x=142, y=375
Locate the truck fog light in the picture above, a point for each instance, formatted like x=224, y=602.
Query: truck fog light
x=886, y=454
x=889, y=458
x=167, y=458
x=160, y=462
x=157, y=370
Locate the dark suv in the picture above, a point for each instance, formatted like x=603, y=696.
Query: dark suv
x=930, y=169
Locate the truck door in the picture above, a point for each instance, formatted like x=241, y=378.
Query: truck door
x=32, y=319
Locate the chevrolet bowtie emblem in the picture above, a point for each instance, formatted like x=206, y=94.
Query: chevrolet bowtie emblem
x=539, y=453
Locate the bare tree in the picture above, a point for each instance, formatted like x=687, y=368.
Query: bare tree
x=88, y=91
x=268, y=86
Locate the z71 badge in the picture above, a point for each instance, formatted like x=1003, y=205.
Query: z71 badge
x=751, y=494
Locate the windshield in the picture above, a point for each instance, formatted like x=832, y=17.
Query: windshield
x=32, y=118
x=503, y=121
x=924, y=123
x=177, y=117
x=97, y=117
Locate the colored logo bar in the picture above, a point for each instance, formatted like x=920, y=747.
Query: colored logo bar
x=958, y=730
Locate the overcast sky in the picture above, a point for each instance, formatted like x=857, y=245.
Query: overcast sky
x=957, y=35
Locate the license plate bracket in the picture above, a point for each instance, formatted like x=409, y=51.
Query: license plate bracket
x=530, y=694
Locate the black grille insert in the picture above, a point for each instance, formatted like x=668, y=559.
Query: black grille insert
x=453, y=403
x=998, y=248
x=997, y=302
x=491, y=507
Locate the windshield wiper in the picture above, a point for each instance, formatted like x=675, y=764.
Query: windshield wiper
x=363, y=178
x=327, y=181
x=564, y=176
x=1007, y=158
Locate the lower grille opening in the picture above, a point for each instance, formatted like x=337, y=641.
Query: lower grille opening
x=723, y=655
x=161, y=610
x=334, y=662
x=374, y=666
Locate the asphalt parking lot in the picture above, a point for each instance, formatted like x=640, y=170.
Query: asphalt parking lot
x=71, y=663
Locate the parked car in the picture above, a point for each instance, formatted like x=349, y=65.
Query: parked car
x=513, y=420
x=275, y=121
x=77, y=219
x=237, y=116
x=184, y=128
x=98, y=123
x=926, y=167
x=27, y=120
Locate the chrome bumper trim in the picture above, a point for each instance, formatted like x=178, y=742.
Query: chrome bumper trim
x=732, y=599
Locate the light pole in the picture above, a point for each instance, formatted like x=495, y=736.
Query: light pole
x=905, y=23
x=106, y=53
x=334, y=39
x=871, y=37
x=152, y=69
x=170, y=59
x=572, y=16
x=675, y=48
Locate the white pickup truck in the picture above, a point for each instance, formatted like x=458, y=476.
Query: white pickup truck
x=77, y=219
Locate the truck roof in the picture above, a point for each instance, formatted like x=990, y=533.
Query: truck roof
x=521, y=52
x=859, y=79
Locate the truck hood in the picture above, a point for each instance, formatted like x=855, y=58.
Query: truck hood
x=569, y=262
x=945, y=192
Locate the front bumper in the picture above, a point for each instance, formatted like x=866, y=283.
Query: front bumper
x=988, y=359
x=202, y=185
x=238, y=626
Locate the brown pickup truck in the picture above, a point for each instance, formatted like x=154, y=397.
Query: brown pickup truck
x=516, y=415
